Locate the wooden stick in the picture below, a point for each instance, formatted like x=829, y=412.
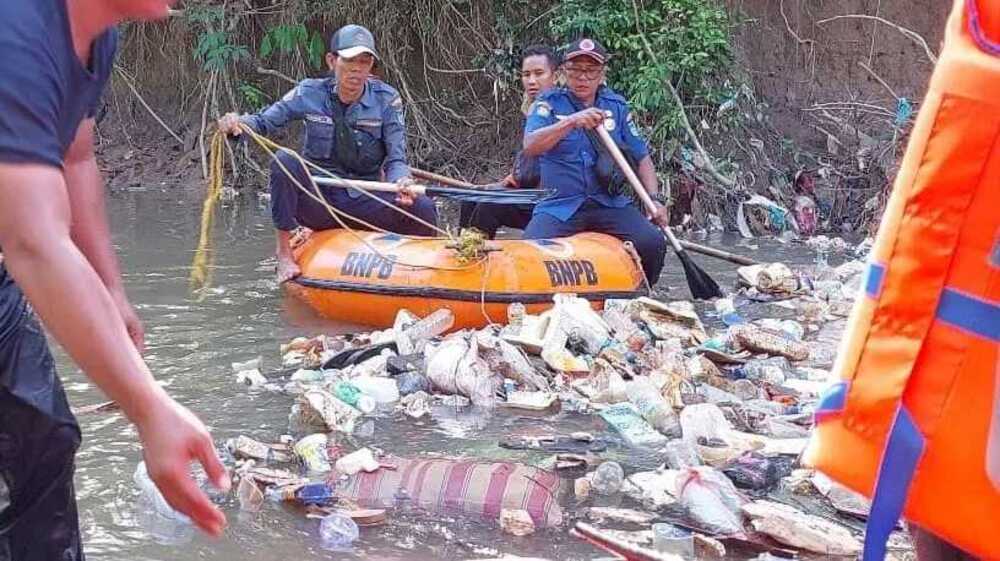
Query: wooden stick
x=370, y=185
x=718, y=253
x=637, y=186
x=442, y=179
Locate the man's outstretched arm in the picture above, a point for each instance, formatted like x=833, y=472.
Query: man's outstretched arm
x=89, y=225
x=78, y=310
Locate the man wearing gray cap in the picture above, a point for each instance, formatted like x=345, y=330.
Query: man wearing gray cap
x=353, y=128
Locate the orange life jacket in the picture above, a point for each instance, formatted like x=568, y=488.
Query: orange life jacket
x=908, y=422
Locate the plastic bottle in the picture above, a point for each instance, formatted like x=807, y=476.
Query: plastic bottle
x=352, y=395
x=515, y=317
x=337, y=532
x=151, y=495
x=653, y=408
x=431, y=326
x=608, y=478
x=383, y=390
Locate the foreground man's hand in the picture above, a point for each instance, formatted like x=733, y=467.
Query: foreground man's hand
x=230, y=124
x=172, y=438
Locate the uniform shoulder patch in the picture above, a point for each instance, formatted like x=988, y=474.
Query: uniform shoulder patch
x=633, y=127
x=397, y=102
x=541, y=108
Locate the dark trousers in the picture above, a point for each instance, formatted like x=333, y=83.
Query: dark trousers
x=489, y=217
x=290, y=207
x=626, y=224
x=38, y=441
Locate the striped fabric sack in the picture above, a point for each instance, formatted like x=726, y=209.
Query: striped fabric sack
x=466, y=487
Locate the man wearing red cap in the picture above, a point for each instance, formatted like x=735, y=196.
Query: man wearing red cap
x=590, y=193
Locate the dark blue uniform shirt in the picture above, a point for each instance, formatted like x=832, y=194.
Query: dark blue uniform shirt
x=376, y=118
x=569, y=168
x=45, y=93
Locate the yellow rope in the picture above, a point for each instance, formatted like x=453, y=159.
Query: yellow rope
x=201, y=270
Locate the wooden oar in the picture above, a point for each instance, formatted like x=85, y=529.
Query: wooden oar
x=442, y=179
x=506, y=196
x=701, y=284
x=717, y=253
x=690, y=246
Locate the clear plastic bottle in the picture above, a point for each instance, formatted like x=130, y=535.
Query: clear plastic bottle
x=337, y=532
x=431, y=326
x=152, y=494
x=515, y=317
x=653, y=408
x=608, y=478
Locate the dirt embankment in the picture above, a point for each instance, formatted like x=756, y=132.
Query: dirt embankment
x=816, y=66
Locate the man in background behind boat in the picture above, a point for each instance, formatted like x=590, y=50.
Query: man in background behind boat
x=354, y=129
x=539, y=67
x=590, y=193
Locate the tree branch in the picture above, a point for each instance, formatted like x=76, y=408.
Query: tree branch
x=913, y=35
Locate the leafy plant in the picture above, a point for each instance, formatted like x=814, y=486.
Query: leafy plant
x=288, y=39
x=689, y=38
x=252, y=95
x=215, y=50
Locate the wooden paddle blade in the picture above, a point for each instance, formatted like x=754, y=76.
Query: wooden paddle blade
x=703, y=287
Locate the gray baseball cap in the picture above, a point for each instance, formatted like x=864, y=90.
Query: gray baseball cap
x=352, y=40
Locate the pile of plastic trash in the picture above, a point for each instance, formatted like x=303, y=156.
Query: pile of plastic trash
x=725, y=401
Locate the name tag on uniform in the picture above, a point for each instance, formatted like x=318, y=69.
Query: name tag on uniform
x=322, y=119
x=369, y=123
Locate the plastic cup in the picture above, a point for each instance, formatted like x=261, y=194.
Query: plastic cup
x=668, y=538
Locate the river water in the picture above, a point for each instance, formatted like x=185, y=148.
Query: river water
x=191, y=344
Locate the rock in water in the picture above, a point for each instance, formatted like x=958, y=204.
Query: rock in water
x=793, y=527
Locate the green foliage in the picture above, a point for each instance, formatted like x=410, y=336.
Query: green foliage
x=288, y=39
x=215, y=50
x=689, y=38
x=254, y=97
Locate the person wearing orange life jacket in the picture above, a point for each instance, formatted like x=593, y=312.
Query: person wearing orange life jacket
x=913, y=422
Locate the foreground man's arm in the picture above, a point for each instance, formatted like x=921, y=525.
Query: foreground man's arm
x=89, y=227
x=77, y=309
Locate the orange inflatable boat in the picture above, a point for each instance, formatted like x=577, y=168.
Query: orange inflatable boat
x=908, y=421
x=367, y=277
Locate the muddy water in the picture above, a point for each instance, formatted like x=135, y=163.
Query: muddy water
x=191, y=345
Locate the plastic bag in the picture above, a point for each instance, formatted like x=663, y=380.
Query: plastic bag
x=711, y=500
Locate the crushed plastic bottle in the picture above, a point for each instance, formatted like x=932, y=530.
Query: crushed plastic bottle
x=653, y=408
x=608, y=478
x=416, y=335
x=337, y=532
